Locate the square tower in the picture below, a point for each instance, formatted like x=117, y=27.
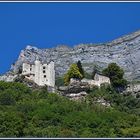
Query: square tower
x=41, y=74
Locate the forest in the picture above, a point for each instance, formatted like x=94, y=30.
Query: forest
x=26, y=112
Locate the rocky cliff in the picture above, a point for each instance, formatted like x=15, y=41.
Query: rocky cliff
x=125, y=51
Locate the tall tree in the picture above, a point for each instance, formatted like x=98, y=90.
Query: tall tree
x=115, y=73
x=73, y=72
x=81, y=70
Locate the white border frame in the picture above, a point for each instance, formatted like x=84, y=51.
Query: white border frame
x=74, y=1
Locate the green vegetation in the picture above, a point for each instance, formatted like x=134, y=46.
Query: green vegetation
x=59, y=81
x=26, y=112
x=81, y=70
x=87, y=75
x=36, y=113
x=73, y=72
x=115, y=73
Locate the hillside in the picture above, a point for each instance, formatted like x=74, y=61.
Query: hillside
x=124, y=51
x=36, y=113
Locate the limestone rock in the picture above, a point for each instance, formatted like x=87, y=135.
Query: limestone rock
x=77, y=87
x=125, y=51
x=8, y=77
x=62, y=88
x=83, y=93
x=103, y=102
x=77, y=96
x=133, y=89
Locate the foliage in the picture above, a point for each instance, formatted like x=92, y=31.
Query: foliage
x=73, y=72
x=37, y=113
x=125, y=103
x=115, y=73
x=59, y=81
x=6, y=98
x=81, y=70
x=87, y=75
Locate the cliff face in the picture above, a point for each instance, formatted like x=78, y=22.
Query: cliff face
x=125, y=51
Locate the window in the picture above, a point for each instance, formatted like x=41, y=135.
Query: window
x=43, y=71
x=44, y=76
x=30, y=67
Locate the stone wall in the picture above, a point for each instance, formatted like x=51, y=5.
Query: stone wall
x=98, y=80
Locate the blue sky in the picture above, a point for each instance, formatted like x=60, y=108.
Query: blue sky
x=46, y=25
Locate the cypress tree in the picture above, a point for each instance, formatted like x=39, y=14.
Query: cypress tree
x=79, y=65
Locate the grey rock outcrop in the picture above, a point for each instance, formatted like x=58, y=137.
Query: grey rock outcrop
x=8, y=77
x=133, y=89
x=125, y=51
x=75, y=88
x=77, y=96
x=103, y=102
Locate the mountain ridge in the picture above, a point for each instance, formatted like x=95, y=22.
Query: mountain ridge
x=124, y=51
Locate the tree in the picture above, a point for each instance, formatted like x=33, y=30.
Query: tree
x=79, y=65
x=115, y=73
x=6, y=99
x=73, y=72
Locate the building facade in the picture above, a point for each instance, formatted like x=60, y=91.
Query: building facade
x=41, y=74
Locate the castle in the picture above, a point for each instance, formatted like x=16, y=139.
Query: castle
x=41, y=74
x=98, y=80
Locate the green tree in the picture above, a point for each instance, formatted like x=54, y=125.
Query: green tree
x=11, y=124
x=73, y=72
x=6, y=99
x=81, y=70
x=115, y=73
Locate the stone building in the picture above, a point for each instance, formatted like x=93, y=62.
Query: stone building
x=41, y=74
x=98, y=80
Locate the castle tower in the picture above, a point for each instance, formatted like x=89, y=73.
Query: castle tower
x=51, y=74
x=41, y=74
x=37, y=71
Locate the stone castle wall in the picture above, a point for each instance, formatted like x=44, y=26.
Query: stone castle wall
x=98, y=80
x=41, y=74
